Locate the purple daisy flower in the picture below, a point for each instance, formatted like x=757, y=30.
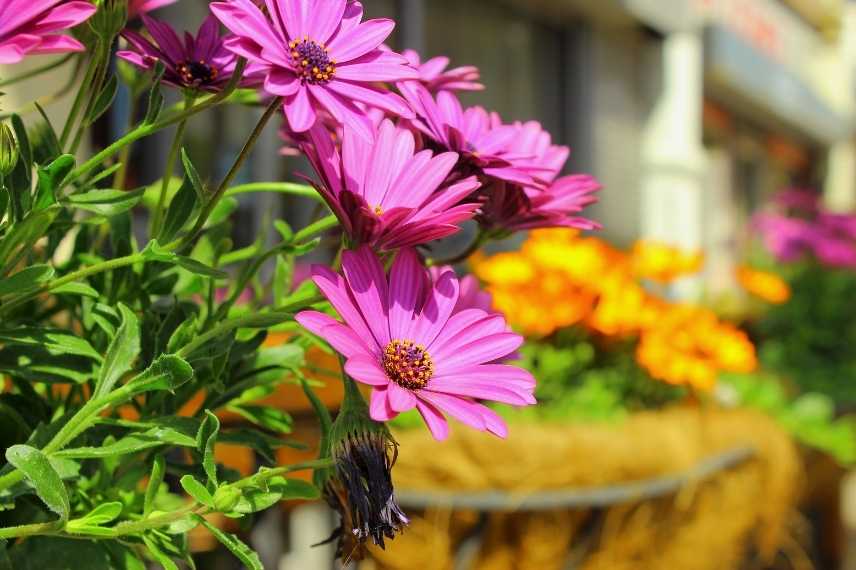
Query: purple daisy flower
x=200, y=62
x=384, y=192
x=480, y=137
x=403, y=338
x=509, y=207
x=317, y=54
x=32, y=27
x=435, y=77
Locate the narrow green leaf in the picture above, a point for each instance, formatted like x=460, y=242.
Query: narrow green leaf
x=267, y=417
x=76, y=288
x=206, y=438
x=19, y=239
x=42, y=476
x=102, y=514
x=123, y=350
x=199, y=268
x=54, y=341
x=244, y=553
x=167, y=372
x=104, y=100
x=155, y=97
x=159, y=555
x=197, y=490
x=49, y=141
x=28, y=278
x=155, y=482
x=25, y=151
x=191, y=174
x=178, y=212
x=106, y=202
x=49, y=178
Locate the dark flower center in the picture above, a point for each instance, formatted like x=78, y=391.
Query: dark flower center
x=407, y=364
x=312, y=61
x=196, y=72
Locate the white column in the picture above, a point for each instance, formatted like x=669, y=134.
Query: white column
x=672, y=152
x=839, y=190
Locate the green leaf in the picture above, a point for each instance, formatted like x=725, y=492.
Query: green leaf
x=76, y=288
x=154, y=252
x=198, y=268
x=50, y=177
x=294, y=489
x=276, y=489
x=132, y=443
x=155, y=98
x=244, y=553
x=159, y=555
x=42, y=476
x=267, y=417
x=179, y=211
x=104, y=100
x=206, y=438
x=102, y=514
x=54, y=341
x=106, y=202
x=123, y=350
x=21, y=237
x=25, y=151
x=48, y=145
x=155, y=482
x=193, y=176
x=197, y=490
x=167, y=372
x=26, y=279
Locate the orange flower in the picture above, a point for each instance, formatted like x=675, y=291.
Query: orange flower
x=764, y=285
x=663, y=263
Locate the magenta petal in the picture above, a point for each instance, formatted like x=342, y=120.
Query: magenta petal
x=281, y=82
x=334, y=288
x=366, y=370
x=298, y=109
x=64, y=16
x=463, y=410
x=367, y=283
x=379, y=408
x=438, y=307
x=359, y=41
x=343, y=110
x=484, y=350
x=437, y=424
x=406, y=281
x=385, y=100
x=482, y=390
x=400, y=399
x=57, y=44
x=324, y=21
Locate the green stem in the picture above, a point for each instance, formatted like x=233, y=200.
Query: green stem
x=81, y=273
x=125, y=154
x=145, y=129
x=36, y=71
x=316, y=228
x=157, y=217
x=209, y=206
x=103, y=56
x=31, y=529
x=279, y=187
x=78, y=100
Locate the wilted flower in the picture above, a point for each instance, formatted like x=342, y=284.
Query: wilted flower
x=199, y=62
x=360, y=486
x=383, y=192
x=318, y=56
x=435, y=77
x=32, y=27
x=402, y=338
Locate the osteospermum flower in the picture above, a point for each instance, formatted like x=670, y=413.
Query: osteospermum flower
x=482, y=140
x=435, y=77
x=510, y=207
x=401, y=338
x=32, y=27
x=384, y=193
x=199, y=62
x=317, y=54
x=140, y=7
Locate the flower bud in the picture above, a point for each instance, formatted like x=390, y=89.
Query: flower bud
x=110, y=18
x=8, y=150
x=360, y=487
x=226, y=497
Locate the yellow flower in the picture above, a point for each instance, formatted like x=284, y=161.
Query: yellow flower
x=663, y=263
x=764, y=285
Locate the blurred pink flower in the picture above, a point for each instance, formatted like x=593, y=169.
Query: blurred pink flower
x=318, y=56
x=140, y=7
x=404, y=340
x=435, y=77
x=384, y=192
x=30, y=27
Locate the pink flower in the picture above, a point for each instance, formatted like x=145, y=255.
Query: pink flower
x=534, y=146
x=29, y=27
x=318, y=56
x=384, y=192
x=200, y=62
x=470, y=294
x=508, y=207
x=403, y=338
x=140, y=7
x=481, y=138
x=435, y=77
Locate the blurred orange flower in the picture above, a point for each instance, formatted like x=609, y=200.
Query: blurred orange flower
x=663, y=263
x=764, y=285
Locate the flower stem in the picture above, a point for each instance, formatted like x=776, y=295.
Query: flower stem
x=233, y=171
x=78, y=100
x=125, y=154
x=37, y=71
x=157, y=217
x=102, y=56
x=279, y=187
x=81, y=273
x=316, y=228
x=31, y=529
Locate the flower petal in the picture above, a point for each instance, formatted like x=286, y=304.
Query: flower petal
x=379, y=408
x=366, y=370
x=484, y=350
x=406, y=283
x=335, y=289
x=351, y=44
x=400, y=400
x=324, y=21
x=299, y=111
x=438, y=307
x=367, y=283
x=437, y=424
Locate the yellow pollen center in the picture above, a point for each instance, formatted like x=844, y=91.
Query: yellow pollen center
x=408, y=364
x=311, y=61
x=378, y=210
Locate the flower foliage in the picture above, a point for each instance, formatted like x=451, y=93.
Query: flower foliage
x=140, y=348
